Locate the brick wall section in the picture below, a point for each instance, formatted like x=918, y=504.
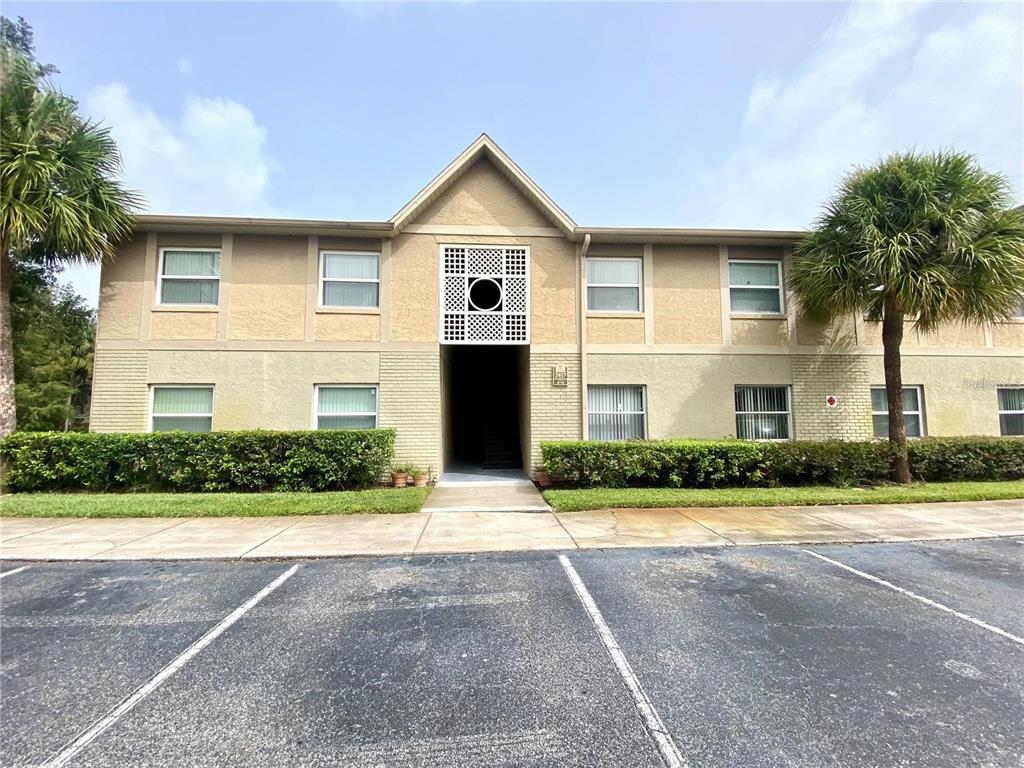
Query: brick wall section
x=120, y=391
x=554, y=411
x=410, y=402
x=815, y=377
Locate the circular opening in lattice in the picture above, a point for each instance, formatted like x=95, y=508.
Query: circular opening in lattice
x=485, y=294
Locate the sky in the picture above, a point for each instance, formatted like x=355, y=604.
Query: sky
x=672, y=114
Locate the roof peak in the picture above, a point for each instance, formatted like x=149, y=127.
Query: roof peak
x=500, y=159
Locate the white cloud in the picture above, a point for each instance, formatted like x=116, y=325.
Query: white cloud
x=212, y=160
x=184, y=66
x=885, y=77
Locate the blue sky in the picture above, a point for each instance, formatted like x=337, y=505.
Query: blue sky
x=704, y=114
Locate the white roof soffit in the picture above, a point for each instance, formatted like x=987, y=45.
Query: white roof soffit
x=484, y=146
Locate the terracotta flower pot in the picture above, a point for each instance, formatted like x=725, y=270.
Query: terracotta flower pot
x=419, y=480
x=543, y=478
x=399, y=479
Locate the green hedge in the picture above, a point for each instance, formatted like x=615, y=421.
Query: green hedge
x=736, y=463
x=189, y=461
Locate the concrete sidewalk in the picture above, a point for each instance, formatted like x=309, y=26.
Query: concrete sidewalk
x=447, y=532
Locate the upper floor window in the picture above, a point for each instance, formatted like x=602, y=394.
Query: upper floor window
x=755, y=287
x=1019, y=311
x=616, y=412
x=913, y=416
x=189, y=276
x=346, y=407
x=762, y=413
x=1011, y=411
x=188, y=408
x=613, y=284
x=349, y=279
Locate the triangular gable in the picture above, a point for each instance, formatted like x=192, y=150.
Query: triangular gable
x=481, y=148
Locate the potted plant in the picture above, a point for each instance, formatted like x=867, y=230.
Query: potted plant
x=542, y=477
x=399, y=476
x=420, y=476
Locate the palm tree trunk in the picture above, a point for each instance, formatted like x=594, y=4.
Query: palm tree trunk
x=892, y=339
x=7, y=412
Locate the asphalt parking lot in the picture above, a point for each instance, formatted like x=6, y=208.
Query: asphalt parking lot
x=841, y=655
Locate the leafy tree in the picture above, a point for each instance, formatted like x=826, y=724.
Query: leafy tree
x=930, y=238
x=54, y=331
x=18, y=36
x=59, y=199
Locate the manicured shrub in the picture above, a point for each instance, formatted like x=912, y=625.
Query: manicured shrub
x=186, y=461
x=967, y=458
x=736, y=463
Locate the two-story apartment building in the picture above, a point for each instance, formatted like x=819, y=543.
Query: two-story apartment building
x=481, y=320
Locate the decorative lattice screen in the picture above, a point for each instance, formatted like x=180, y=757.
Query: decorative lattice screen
x=485, y=294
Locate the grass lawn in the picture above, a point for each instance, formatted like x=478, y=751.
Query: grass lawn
x=381, y=500
x=605, y=498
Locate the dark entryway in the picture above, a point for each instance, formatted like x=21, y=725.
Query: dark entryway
x=482, y=406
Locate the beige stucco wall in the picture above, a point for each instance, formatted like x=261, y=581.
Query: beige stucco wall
x=553, y=290
x=267, y=293
x=121, y=285
x=414, y=288
x=483, y=196
x=262, y=389
x=689, y=395
x=760, y=331
x=841, y=333
x=346, y=326
x=955, y=335
x=199, y=325
x=628, y=329
x=687, y=295
x=1008, y=335
x=959, y=391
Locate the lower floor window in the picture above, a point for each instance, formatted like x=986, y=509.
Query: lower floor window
x=346, y=407
x=762, y=413
x=913, y=418
x=189, y=409
x=1011, y=411
x=616, y=412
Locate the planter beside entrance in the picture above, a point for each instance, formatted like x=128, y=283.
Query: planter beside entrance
x=420, y=477
x=399, y=479
x=542, y=477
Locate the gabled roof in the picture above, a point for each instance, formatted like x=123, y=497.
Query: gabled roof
x=484, y=147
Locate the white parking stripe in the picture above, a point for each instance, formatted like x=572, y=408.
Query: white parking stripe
x=14, y=570
x=669, y=751
x=105, y=722
x=920, y=599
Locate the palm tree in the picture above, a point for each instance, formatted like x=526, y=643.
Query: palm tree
x=925, y=237
x=59, y=199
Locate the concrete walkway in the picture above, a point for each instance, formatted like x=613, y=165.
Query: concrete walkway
x=485, y=490
x=448, y=532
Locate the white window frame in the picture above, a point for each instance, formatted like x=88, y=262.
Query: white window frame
x=639, y=285
x=643, y=405
x=919, y=412
x=160, y=277
x=779, y=288
x=322, y=281
x=788, y=412
x=152, y=396
x=1001, y=412
x=316, y=402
